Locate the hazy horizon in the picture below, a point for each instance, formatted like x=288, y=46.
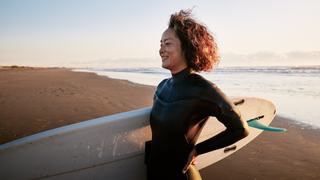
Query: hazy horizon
x=111, y=34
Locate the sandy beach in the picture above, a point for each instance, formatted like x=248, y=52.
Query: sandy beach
x=36, y=100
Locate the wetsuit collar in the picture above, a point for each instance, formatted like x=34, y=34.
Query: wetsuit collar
x=179, y=77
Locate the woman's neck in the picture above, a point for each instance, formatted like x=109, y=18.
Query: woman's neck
x=178, y=77
x=179, y=69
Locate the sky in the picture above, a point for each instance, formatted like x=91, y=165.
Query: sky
x=124, y=34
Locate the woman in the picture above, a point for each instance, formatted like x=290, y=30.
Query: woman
x=183, y=103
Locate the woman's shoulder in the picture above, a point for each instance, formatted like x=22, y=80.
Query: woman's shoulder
x=212, y=93
x=206, y=89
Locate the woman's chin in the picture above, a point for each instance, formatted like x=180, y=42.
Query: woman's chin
x=165, y=66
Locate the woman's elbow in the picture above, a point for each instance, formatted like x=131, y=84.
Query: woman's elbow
x=245, y=132
x=242, y=132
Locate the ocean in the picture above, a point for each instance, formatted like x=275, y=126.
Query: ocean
x=294, y=90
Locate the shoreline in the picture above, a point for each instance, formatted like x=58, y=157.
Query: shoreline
x=36, y=100
x=283, y=86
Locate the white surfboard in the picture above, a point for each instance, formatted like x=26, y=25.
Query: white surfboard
x=111, y=147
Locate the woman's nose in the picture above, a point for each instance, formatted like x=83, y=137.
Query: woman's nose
x=161, y=50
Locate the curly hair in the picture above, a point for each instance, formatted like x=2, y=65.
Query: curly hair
x=197, y=44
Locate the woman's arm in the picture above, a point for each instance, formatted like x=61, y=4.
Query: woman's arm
x=236, y=130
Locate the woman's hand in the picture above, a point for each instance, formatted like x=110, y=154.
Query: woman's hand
x=191, y=160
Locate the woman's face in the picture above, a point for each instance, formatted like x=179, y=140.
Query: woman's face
x=170, y=52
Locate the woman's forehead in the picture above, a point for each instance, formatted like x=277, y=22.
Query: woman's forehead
x=168, y=34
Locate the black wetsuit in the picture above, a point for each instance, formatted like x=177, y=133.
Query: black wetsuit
x=182, y=104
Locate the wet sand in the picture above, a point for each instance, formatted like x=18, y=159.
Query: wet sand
x=36, y=100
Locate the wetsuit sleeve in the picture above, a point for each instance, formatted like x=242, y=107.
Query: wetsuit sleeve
x=236, y=129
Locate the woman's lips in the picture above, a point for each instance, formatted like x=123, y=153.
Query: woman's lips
x=164, y=57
